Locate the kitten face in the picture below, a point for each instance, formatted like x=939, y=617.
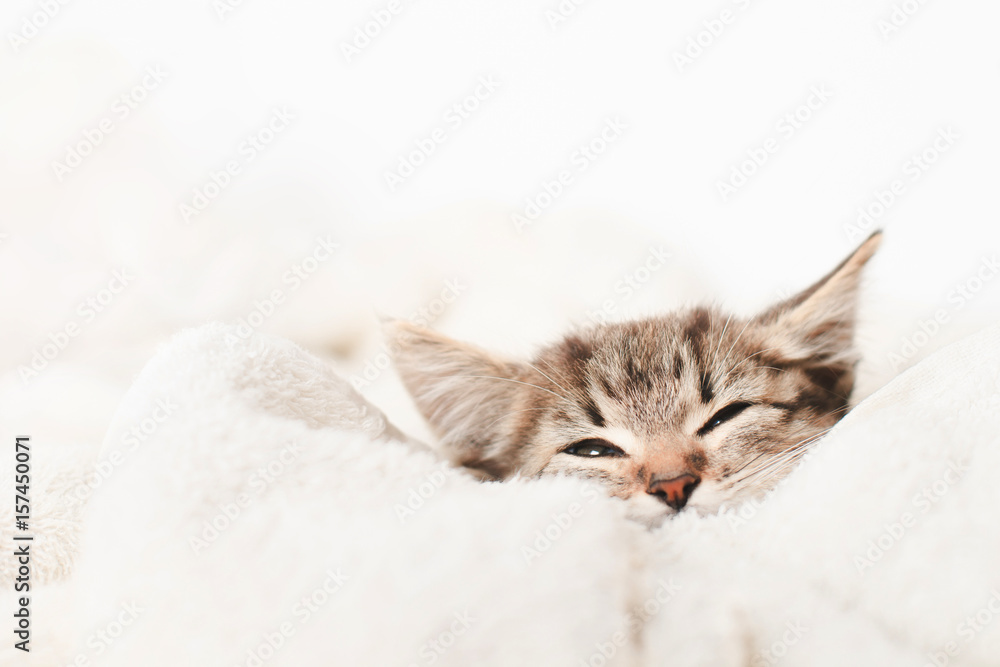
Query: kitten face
x=688, y=411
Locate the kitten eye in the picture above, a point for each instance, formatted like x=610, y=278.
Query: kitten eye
x=592, y=448
x=724, y=415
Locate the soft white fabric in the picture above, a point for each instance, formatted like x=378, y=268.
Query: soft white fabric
x=824, y=572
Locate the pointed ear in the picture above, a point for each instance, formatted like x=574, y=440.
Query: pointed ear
x=816, y=327
x=464, y=392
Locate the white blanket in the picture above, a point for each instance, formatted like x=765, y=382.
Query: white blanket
x=254, y=510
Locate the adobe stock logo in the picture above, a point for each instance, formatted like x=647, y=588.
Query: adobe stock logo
x=912, y=170
x=423, y=316
x=123, y=106
x=437, y=646
x=968, y=629
x=32, y=24
x=924, y=501
x=787, y=127
x=964, y=292
x=562, y=12
x=712, y=29
x=367, y=33
x=770, y=656
x=224, y=7
x=636, y=619
x=900, y=15
x=629, y=284
x=585, y=155
x=456, y=115
x=561, y=523
x=268, y=644
x=87, y=310
x=420, y=493
x=251, y=146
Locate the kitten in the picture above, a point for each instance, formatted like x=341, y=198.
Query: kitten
x=694, y=409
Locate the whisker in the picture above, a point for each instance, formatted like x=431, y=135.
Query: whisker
x=527, y=384
x=781, y=470
x=743, y=467
x=512, y=412
x=730, y=351
x=833, y=393
x=843, y=408
x=718, y=344
x=749, y=357
x=782, y=460
x=538, y=370
x=790, y=454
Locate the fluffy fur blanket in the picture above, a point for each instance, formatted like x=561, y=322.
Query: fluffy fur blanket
x=252, y=509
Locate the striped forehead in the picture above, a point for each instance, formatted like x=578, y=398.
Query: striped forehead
x=648, y=372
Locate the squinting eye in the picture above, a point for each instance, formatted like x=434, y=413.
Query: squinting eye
x=592, y=448
x=723, y=415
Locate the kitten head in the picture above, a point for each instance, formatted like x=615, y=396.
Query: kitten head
x=693, y=409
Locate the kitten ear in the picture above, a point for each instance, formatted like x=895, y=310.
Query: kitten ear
x=463, y=391
x=817, y=325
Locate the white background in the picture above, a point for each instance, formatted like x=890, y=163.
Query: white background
x=227, y=68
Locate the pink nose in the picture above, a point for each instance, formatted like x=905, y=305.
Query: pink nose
x=674, y=492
